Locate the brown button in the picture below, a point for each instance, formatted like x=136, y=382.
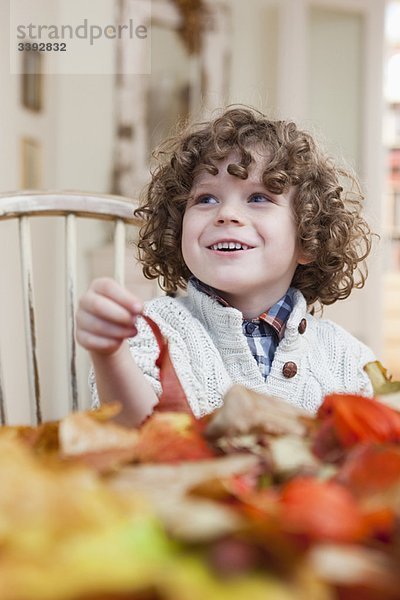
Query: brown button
x=289, y=369
x=302, y=326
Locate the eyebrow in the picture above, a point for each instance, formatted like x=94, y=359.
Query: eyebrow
x=210, y=185
x=212, y=182
x=205, y=184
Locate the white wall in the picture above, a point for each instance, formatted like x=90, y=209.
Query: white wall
x=16, y=123
x=253, y=72
x=335, y=82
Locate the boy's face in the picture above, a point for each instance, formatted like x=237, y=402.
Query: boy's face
x=224, y=208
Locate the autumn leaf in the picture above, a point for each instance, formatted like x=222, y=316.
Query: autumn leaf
x=172, y=491
x=83, y=432
x=179, y=479
x=321, y=511
x=173, y=397
x=357, y=573
x=164, y=437
x=171, y=437
x=371, y=468
x=385, y=390
x=325, y=443
x=42, y=439
x=351, y=419
x=89, y=438
x=245, y=411
x=291, y=455
x=372, y=473
x=381, y=381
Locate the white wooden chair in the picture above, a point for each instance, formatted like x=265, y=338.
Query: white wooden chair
x=70, y=206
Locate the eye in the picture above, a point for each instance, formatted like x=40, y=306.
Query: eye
x=206, y=199
x=258, y=198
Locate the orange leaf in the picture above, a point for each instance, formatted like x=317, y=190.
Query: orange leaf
x=43, y=439
x=323, y=511
x=369, y=469
x=171, y=437
x=356, y=419
x=173, y=398
x=381, y=522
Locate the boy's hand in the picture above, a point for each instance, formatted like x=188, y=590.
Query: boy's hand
x=106, y=316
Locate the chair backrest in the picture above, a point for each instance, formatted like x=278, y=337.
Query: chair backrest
x=70, y=206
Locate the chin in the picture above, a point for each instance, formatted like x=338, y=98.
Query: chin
x=224, y=287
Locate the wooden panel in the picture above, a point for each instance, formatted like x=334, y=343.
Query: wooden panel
x=29, y=319
x=70, y=255
x=119, y=252
x=59, y=204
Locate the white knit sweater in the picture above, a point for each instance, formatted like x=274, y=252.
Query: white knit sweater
x=210, y=353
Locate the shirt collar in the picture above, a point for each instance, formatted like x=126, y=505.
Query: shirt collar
x=276, y=316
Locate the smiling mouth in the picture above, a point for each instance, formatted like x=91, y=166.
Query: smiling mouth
x=230, y=247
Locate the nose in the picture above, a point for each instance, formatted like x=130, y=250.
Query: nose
x=229, y=213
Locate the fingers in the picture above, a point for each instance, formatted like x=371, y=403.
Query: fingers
x=98, y=344
x=103, y=327
x=109, y=288
x=106, y=316
x=106, y=309
x=108, y=299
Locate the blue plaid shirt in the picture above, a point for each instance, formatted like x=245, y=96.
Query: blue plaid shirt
x=264, y=333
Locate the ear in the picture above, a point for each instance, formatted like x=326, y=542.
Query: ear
x=303, y=260
x=302, y=257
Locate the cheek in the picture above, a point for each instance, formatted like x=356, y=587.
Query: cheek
x=192, y=226
x=282, y=235
x=278, y=228
x=187, y=236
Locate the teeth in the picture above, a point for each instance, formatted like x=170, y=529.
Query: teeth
x=229, y=246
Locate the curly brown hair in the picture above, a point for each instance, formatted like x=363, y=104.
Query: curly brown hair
x=331, y=231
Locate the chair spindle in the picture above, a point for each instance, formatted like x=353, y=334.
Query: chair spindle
x=29, y=317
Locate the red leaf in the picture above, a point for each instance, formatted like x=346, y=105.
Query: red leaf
x=173, y=398
x=171, y=437
x=323, y=511
x=325, y=443
x=356, y=419
x=381, y=522
x=370, y=469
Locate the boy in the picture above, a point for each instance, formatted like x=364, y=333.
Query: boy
x=248, y=215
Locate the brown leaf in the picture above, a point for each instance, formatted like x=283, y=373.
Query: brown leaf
x=392, y=399
x=245, y=411
x=381, y=382
x=42, y=439
x=178, y=479
x=166, y=488
x=80, y=432
x=349, y=566
x=105, y=412
x=292, y=455
x=95, y=442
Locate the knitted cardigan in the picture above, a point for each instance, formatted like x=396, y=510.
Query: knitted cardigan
x=210, y=353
